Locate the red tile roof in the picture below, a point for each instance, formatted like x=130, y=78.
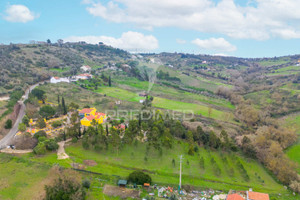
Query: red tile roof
x=257, y=196
x=234, y=197
x=100, y=114
x=86, y=110
x=90, y=118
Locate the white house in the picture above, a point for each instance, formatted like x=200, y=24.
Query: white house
x=85, y=68
x=58, y=80
x=84, y=76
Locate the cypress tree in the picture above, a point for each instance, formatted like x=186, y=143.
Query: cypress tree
x=65, y=136
x=64, y=105
x=106, y=127
x=79, y=132
x=58, y=101
x=109, y=81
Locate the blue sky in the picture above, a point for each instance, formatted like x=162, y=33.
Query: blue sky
x=251, y=28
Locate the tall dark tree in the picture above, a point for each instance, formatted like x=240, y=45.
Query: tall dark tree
x=79, y=131
x=64, y=105
x=58, y=100
x=109, y=81
x=106, y=127
x=65, y=136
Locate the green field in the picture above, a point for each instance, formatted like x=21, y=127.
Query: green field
x=163, y=91
x=260, y=98
x=272, y=62
x=284, y=73
x=119, y=93
x=60, y=69
x=293, y=88
x=83, y=97
x=196, y=108
x=163, y=172
x=20, y=178
x=23, y=177
x=293, y=152
x=289, y=68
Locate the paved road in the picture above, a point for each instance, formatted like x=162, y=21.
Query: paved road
x=11, y=134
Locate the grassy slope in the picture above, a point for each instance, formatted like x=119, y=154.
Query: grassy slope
x=292, y=87
x=274, y=62
x=162, y=170
x=260, y=98
x=294, y=151
x=20, y=178
x=195, y=108
x=172, y=93
x=166, y=103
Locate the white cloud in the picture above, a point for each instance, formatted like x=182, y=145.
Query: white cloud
x=131, y=41
x=259, y=19
x=215, y=44
x=180, y=41
x=19, y=13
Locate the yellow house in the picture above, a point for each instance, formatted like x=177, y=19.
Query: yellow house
x=89, y=115
x=87, y=112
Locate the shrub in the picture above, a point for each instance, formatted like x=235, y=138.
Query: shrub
x=74, y=140
x=25, y=120
x=22, y=127
x=56, y=124
x=65, y=189
x=86, y=183
x=8, y=124
x=47, y=111
x=139, y=177
x=41, y=123
x=40, y=134
x=40, y=149
x=51, y=145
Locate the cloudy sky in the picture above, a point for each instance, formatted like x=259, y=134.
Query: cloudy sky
x=244, y=28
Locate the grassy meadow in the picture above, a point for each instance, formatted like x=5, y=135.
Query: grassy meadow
x=293, y=121
x=221, y=170
x=21, y=178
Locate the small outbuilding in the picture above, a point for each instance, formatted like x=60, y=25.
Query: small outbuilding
x=122, y=183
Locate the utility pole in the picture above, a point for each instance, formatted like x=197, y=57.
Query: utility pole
x=179, y=188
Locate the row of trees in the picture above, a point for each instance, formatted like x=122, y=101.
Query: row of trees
x=158, y=132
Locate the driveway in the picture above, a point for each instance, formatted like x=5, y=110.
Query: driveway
x=4, y=142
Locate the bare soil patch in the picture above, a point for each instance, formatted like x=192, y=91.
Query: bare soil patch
x=89, y=162
x=120, y=192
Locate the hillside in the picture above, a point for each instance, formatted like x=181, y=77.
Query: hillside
x=248, y=110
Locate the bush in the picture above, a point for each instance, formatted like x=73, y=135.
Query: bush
x=22, y=127
x=40, y=134
x=25, y=120
x=74, y=140
x=139, y=178
x=47, y=111
x=86, y=183
x=65, y=189
x=40, y=149
x=56, y=124
x=41, y=123
x=8, y=124
x=51, y=145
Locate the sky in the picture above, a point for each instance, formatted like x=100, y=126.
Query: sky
x=242, y=28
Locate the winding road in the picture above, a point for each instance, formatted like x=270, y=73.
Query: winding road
x=4, y=142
